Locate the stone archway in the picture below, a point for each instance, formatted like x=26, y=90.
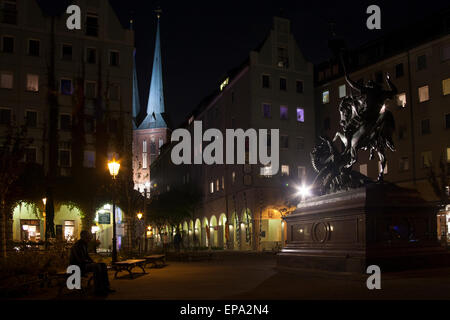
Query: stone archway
x=205, y=233
x=221, y=234
x=235, y=232
x=197, y=233
x=213, y=231
x=246, y=228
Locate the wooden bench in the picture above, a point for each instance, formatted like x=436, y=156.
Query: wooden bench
x=128, y=265
x=158, y=260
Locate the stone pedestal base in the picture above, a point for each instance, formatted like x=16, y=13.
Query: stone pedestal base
x=379, y=224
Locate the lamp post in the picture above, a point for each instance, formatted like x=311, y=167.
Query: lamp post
x=114, y=167
x=139, y=216
x=44, y=200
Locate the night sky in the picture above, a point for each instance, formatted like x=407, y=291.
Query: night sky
x=202, y=40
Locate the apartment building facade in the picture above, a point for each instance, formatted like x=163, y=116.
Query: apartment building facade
x=241, y=208
x=88, y=72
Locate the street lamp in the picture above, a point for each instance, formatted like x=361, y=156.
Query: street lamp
x=114, y=167
x=44, y=200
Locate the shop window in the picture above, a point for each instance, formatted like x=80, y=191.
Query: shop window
x=30, y=230
x=69, y=230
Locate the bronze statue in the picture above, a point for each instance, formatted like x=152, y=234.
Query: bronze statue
x=366, y=125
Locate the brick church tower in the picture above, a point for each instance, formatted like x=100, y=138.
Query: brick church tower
x=150, y=134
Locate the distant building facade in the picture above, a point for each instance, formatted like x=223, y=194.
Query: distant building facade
x=241, y=208
x=91, y=69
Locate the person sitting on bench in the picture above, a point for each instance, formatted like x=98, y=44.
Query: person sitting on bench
x=79, y=256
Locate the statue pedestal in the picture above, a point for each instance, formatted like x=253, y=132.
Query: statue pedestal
x=379, y=224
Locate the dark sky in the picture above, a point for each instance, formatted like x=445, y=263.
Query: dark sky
x=201, y=40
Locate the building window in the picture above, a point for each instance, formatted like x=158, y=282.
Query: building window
x=446, y=86
x=300, y=115
x=447, y=121
x=89, y=124
x=144, y=160
x=326, y=123
x=404, y=164
x=425, y=126
x=5, y=116
x=9, y=12
x=92, y=25
x=284, y=170
x=301, y=171
x=211, y=187
x=401, y=100
x=32, y=82
x=300, y=143
x=283, y=112
x=114, y=92
x=421, y=62
x=31, y=119
x=284, y=142
x=217, y=185
x=363, y=169
x=91, y=55
x=283, y=84
x=66, y=87
x=448, y=155
x=91, y=90
x=445, y=53
x=7, y=44
x=64, y=158
x=326, y=97
x=144, y=146
x=266, y=171
x=89, y=159
x=265, y=81
x=34, y=47
x=114, y=58
x=6, y=80
x=66, y=52
x=65, y=122
x=299, y=86
x=233, y=177
x=30, y=155
x=152, y=146
x=342, y=91
x=223, y=183
x=427, y=159
x=399, y=72
x=424, y=94
x=266, y=110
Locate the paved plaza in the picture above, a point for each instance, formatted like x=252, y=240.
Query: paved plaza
x=255, y=277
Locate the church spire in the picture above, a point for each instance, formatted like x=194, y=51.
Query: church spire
x=136, y=103
x=155, y=105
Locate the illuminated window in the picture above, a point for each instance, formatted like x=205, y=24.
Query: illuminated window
x=403, y=164
x=144, y=146
x=424, y=94
x=233, y=177
x=32, y=82
x=427, y=159
x=363, y=169
x=266, y=110
x=284, y=170
x=223, y=182
x=283, y=112
x=300, y=115
x=144, y=161
x=217, y=185
x=267, y=171
x=401, y=100
x=342, y=91
x=69, y=229
x=6, y=80
x=446, y=86
x=211, y=187
x=326, y=97
x=448, y=154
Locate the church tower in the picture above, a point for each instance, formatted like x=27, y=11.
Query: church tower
x=150, y=134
